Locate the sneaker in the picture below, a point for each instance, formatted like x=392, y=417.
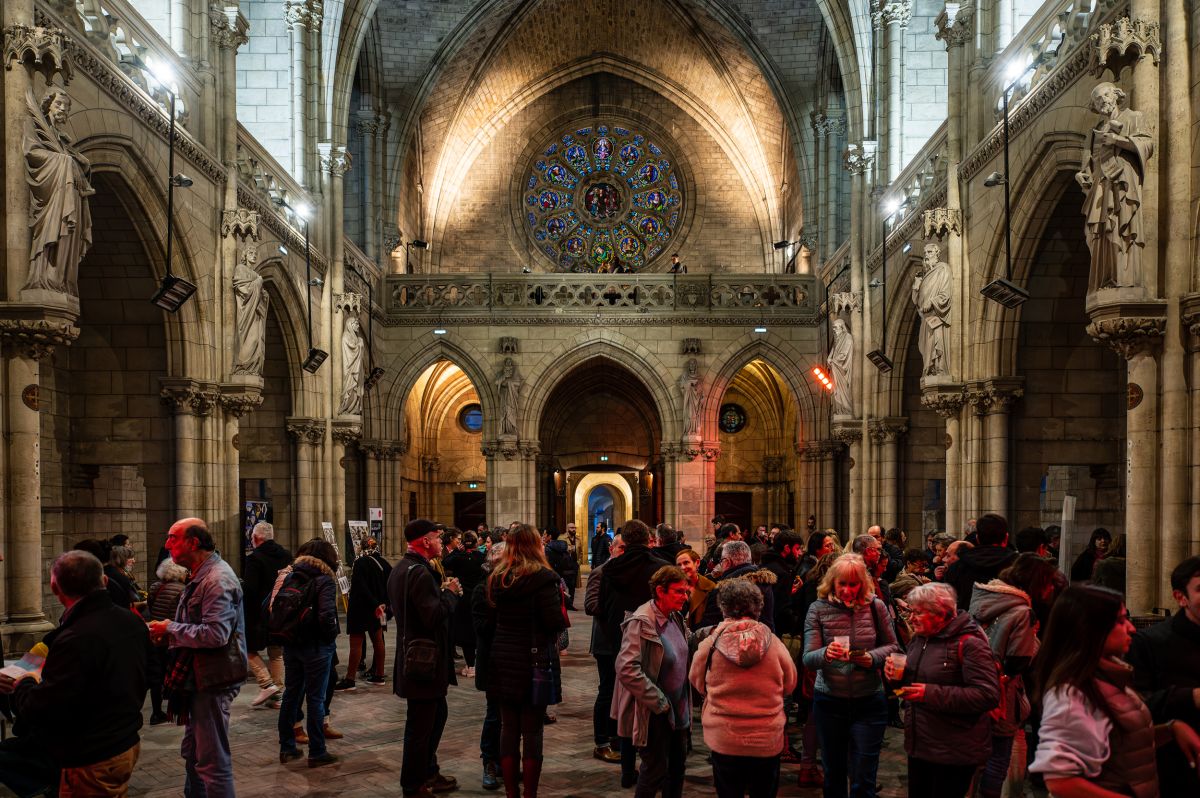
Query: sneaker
x=289, y=755
x=606, y=754
x=157, y=718
x=345, y=686
x=322, y=760
x=491, y=776
x=264, y=695
x=468, y=672
x=440, y=783
x=375, y=681
x=332, y=733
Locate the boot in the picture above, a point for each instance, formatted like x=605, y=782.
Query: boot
x=512, y=781
x=532, y=767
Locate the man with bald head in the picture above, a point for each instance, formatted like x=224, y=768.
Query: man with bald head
x=209, y=618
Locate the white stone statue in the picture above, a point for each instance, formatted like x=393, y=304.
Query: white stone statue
x=57, y=175
x=1112, y=174
x=841, y=358
x=693, y=398
x=251, y=300
x=352, y=363
x=509, y=383
x=931, y=294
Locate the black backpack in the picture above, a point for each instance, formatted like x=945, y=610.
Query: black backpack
x=560, y=561
x=291, y=612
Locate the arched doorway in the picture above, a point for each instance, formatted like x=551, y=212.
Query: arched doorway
x=606, y=497
x=600, y=509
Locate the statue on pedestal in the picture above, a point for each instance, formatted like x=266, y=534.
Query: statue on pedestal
x=509, y=384
x=57, y=174
x=693, y=398
x=1112, y=175
x=841, y=358
x=252, y=301
x=352, y=361
x=931, y=294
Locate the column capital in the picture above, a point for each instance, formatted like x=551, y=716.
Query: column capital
x=189, y=395
x=347, y=432
x=239, y=398
x=945, y=399
x=431, y=463
x=887, y=430
x=1129, y=328
x=846, y=432
x=383, y=450
x=857, y=160
x=228, y=28
x=896, y=12
x=368, y=125
x=955, y=29
x=35, y=338
x=820, y=124
x=306, y=430
x=335, y=160
x=1125, y=41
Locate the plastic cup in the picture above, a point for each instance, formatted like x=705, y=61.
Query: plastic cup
x=898, y=662
x=843, y=641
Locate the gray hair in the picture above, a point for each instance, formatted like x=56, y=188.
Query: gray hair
x=263, y=530
x=936, y=597
x=171, y=571
x=736, y=551
x=120, y=555
x=739, y=598
x=863, y=542
x=945, y=538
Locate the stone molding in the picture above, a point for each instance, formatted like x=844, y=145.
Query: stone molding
x=35, y=338
x=856, y=160
x=846, y=432
x=887, y=430
x=1189, y=312
x=306, y=430
x=1124, y=41
x=369, y=126
x=240, y=222
x=941, y=222
x=508, y=345
x=383, y=450
x=346, y=431
x=820, y=124
x=988, y=397
x=349, y=302
x=185, y=395
x=944, y=399
x=955, y=31
x=431, y=463
x=772, y=464
x=240, y=398
x=845, y=302
x=273, y=221
x=42, y=49
x=1129, y=335
x=303, y=13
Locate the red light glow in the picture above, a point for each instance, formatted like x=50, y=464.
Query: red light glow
x=822, y=378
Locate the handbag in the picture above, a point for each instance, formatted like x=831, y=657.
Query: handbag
x=545, y=688
x=420, y=654
x=218, y=668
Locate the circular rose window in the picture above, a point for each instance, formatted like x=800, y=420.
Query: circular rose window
x=602, y=198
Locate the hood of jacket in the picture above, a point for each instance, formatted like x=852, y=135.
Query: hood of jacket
x=525, y=586
x=743, y=642
x=312, y=565
x=990, y=601
x=630, y=565
x=751, y=573
x=986, y=558
x=958, y=626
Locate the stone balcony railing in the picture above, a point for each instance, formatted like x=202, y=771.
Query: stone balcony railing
x=573, y=298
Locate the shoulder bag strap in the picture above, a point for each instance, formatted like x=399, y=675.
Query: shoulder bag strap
x=708, y=661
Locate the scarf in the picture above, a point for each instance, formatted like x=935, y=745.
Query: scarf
x=179, y=686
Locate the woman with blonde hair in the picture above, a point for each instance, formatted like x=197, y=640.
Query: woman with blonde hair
x=847, y=635
x=526, y=611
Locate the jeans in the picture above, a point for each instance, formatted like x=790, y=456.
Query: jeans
x=663, y=759
x=423, y=727
x=604, y=728
x=306, y=672
x=851, y=733
x=935, y=780
x=205, y=747
x=489, y=735
x=991, y=783
x=734, y=775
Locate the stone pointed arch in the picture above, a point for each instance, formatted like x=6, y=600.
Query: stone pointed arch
x=405, y=367
x=1052, y=168
x=643, y=363
x=787, y=360
x=287, y=306
x=902, y=325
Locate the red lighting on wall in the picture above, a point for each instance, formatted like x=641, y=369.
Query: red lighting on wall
x=822, y=378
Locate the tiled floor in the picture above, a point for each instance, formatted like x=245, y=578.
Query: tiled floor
x=373, y=721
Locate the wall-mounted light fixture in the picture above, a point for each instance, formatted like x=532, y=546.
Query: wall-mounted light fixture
x=174, y=291
x=878, y=357
x=314, y=359
x=416, y=243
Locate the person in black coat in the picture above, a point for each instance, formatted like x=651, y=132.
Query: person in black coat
x=526, y=603
x=600, y=546
x=258, y=579
x=465, y=565
x=366, y=612
x=483, y=623
x=1097, y=549
x=625, y=583
x=562, y=560
x=422, y=607
x=984, y=562
x=735, y=557
x=783, y=560
x=87, y=709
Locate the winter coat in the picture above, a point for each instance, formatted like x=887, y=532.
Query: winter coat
x=600, y=549
x=636, y=694
x=744, y=683
x=562, y=560
x=368, y=589
x=1006, y=616
x=483, y=624
x=869, y=628
x=981, y=564
x=762, y=579
x=698, y=601
x=670, y=551
x=625, y=586
x=952, y=725
x=1166, y=669
x=258, y=578
x=325, y=629
x=467, y=568
x=120, y=589
x=601, y=643
x=527, y=614
x=895, y=561
x=783, y=606
x=163, y=600
x=1085, y=563
x=427, y=616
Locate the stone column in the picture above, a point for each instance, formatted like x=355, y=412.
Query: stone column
x=995, y=404
x=687, y=501
x=947, y=401
x=236, y=400
x=431, y=466
x=850, y=434
x=529, y=490
x=346, y=434
x=368, y=130
x=895, y=16
x=544, y=490
x=885, y=434
x=1003, y=25
x=945, y=224
x=309, y=434
x=189, y=401
x=299, y=18
x=383, y=490
x=828, y=517
x=835, y=132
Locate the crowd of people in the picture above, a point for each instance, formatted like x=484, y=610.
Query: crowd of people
x=785, y=647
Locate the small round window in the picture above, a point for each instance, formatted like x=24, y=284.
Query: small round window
x=470, y=418
x=733, y=418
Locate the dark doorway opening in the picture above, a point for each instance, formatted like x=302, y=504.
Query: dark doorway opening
x=470, y=509
x=735, y=506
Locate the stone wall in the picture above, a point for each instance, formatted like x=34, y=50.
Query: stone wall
x=264, y=80
x=925, y=91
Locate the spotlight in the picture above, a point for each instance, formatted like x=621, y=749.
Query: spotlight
x=781, y=245
x=419, y=244
x=1004, y=292
x=160, y=72
x=181, y=181
x=526, y=270
x=881, y=361
x=994, y=179
x=822, y=378
x=439, y=330
x=906, y=248
x=282, y=249
x=173, y=293
x=373, y=378
x=760, y=329
x=316, y=282
x=891, y=206
x=1015, y=70
x=303, y=210
x=314, y=360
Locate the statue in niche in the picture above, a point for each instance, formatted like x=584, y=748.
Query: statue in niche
x=251, y=300
x=841, y=357
x=57, y=175
x=931, y=294
x=693, y=397
x=1112, y=174
x=352, y=362
x=509, y=384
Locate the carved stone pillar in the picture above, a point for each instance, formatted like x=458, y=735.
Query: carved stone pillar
x=828, y=516
x=529, y=488
x=688, y=492
x=236, y=400
x=544, y=490
x=190, y=402
x=895, y=16
x=346, y=434
x=1190, y=317
x=850, y=434
x=832, y=227
x=368, y=131
x=947, y=401
x=299, y=17
x=885, y=434
x=309, y=434
x=993, y=402
x=383, y=490
x=776, y=489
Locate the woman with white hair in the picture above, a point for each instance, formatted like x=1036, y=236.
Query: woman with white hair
x=951, y=684
x=744, y=672
x=160, y=606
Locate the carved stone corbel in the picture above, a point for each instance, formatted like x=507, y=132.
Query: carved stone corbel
x=348, y=302
x=1123, y=43
x=845, y=302
x=346, y=432
x=944, y=399
x=41, y=49
x=241, y=402
x=241, y=223
x=940, y=222
x=847, y=433
x=887, y=430
x=307, y=430
x=1129, y=336
x=856, y=160
x=36, y=338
